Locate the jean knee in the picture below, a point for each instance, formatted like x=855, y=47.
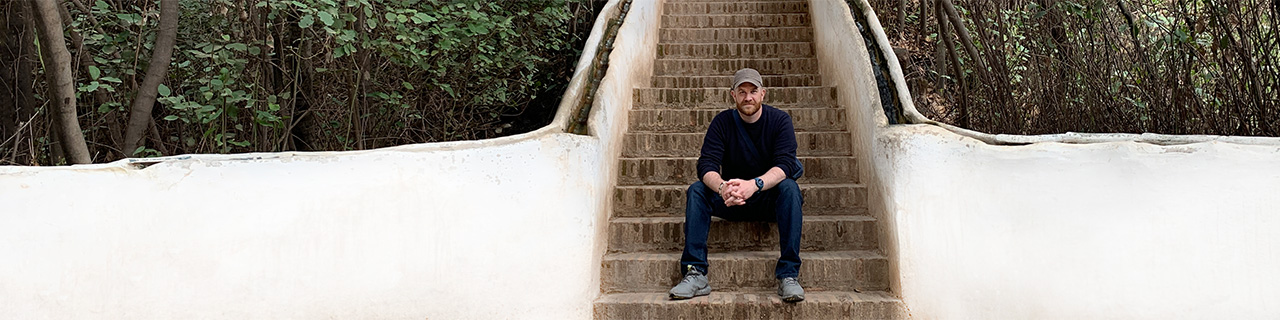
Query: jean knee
x=696, y=189
x=788, y=188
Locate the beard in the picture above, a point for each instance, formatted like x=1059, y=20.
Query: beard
x=749, y=109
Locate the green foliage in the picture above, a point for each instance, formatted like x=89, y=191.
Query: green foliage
x=268, y=75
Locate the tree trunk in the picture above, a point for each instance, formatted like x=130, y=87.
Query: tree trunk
x=140, y=112
x=9, y=28
x=965, y=39
x=60, y=81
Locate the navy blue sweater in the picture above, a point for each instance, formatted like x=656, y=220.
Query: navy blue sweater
x=724, y=151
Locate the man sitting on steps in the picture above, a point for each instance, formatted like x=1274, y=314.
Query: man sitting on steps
x=754, y=148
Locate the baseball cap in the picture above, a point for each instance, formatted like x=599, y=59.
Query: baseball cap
x=745, y=75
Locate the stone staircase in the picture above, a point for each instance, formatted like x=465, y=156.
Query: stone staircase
x=700, y=45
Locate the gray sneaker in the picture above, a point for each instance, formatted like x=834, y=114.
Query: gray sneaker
x=790, y=290
x=694, y=284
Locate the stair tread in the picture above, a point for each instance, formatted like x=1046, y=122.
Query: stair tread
x=831, y=218
x=748, y=255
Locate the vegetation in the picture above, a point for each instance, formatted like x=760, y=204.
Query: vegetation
x=163, y=77
x=1050, y=66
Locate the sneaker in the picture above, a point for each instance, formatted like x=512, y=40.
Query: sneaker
x=694, y=284
x=790, y=290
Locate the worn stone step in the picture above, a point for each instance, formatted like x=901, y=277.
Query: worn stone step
x=819, y=233
x=705, y=35
x=668, y=171
x=669, y=200
x=748, y=271
x=698, y=120
x=736, y=50
x=744, y=7
x=735, y=20
x=721, y=106
x=730, y=305
x=723, y=82
x=712, y=96
x=711, y=67
x=648, y=144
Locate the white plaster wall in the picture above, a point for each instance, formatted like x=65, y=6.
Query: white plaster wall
x=1118, y=230
x=508, y=228
x=1071, y=226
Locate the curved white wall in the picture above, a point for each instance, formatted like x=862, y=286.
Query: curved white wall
x=1117, y=230
x=509, y=228
x=1117, y=227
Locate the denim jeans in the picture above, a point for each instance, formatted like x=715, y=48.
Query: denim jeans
x=780, y=204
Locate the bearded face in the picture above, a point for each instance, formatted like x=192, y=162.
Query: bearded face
x=748, y=98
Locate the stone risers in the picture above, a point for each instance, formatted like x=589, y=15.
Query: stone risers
x=708, y=67
x=748, y=271
x=669, y=200
x=736, y=20
x=667, y=234
x=736, y=50
x=745, y=7
x=751, y=305
x=646, y=144
x=806, y=119
x=721, y=35
x=720, y=96
x=773, y=81
x=701, y=44
x=683, y=171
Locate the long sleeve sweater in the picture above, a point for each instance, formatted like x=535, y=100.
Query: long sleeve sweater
x=725, y=151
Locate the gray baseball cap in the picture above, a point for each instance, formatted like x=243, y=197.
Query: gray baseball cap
x=747, y=75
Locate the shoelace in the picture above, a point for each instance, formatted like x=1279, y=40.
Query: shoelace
x=688, y=276
x=790, y=281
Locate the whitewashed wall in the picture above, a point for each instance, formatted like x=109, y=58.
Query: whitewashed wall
x=497, y=229
x=1072, y=226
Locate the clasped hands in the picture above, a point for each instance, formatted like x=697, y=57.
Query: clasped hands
x=736, y=191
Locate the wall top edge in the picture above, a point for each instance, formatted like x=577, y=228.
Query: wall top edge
x=915, y=117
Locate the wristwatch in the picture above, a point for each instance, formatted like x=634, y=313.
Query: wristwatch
x=759, y=185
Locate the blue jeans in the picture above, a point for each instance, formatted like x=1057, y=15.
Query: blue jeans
x=781, y=204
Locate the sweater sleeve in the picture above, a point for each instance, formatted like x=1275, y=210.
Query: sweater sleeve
x=784, y=152
x=712, y=147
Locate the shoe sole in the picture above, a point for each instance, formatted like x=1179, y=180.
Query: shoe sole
x=793, y=299
x=701, y=292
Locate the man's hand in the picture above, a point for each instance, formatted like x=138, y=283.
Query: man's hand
x=730, y=191
x=745, y=189
x=738, y=192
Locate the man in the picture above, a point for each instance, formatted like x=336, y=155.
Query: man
x=748, y=168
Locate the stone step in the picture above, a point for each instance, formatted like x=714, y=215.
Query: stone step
x=735, y=20
x=698, y=120
x=647, y=144
x=683, y=171
x=669, y=200
x=712, y=67
x=721, y=106
x=748, y=271
x=819, y=233
x=736, y=50
x=706, y=35
x=723, y=82
x=726, y=305
x=744, y=7
x=712, y=96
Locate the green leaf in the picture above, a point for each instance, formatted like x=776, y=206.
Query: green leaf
x=111, y=79
x=94, y=72
x=406, y=85
x=326, y=18
x=163, y=90
x=306, y=22
x=237, y=46
x=170, y=118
